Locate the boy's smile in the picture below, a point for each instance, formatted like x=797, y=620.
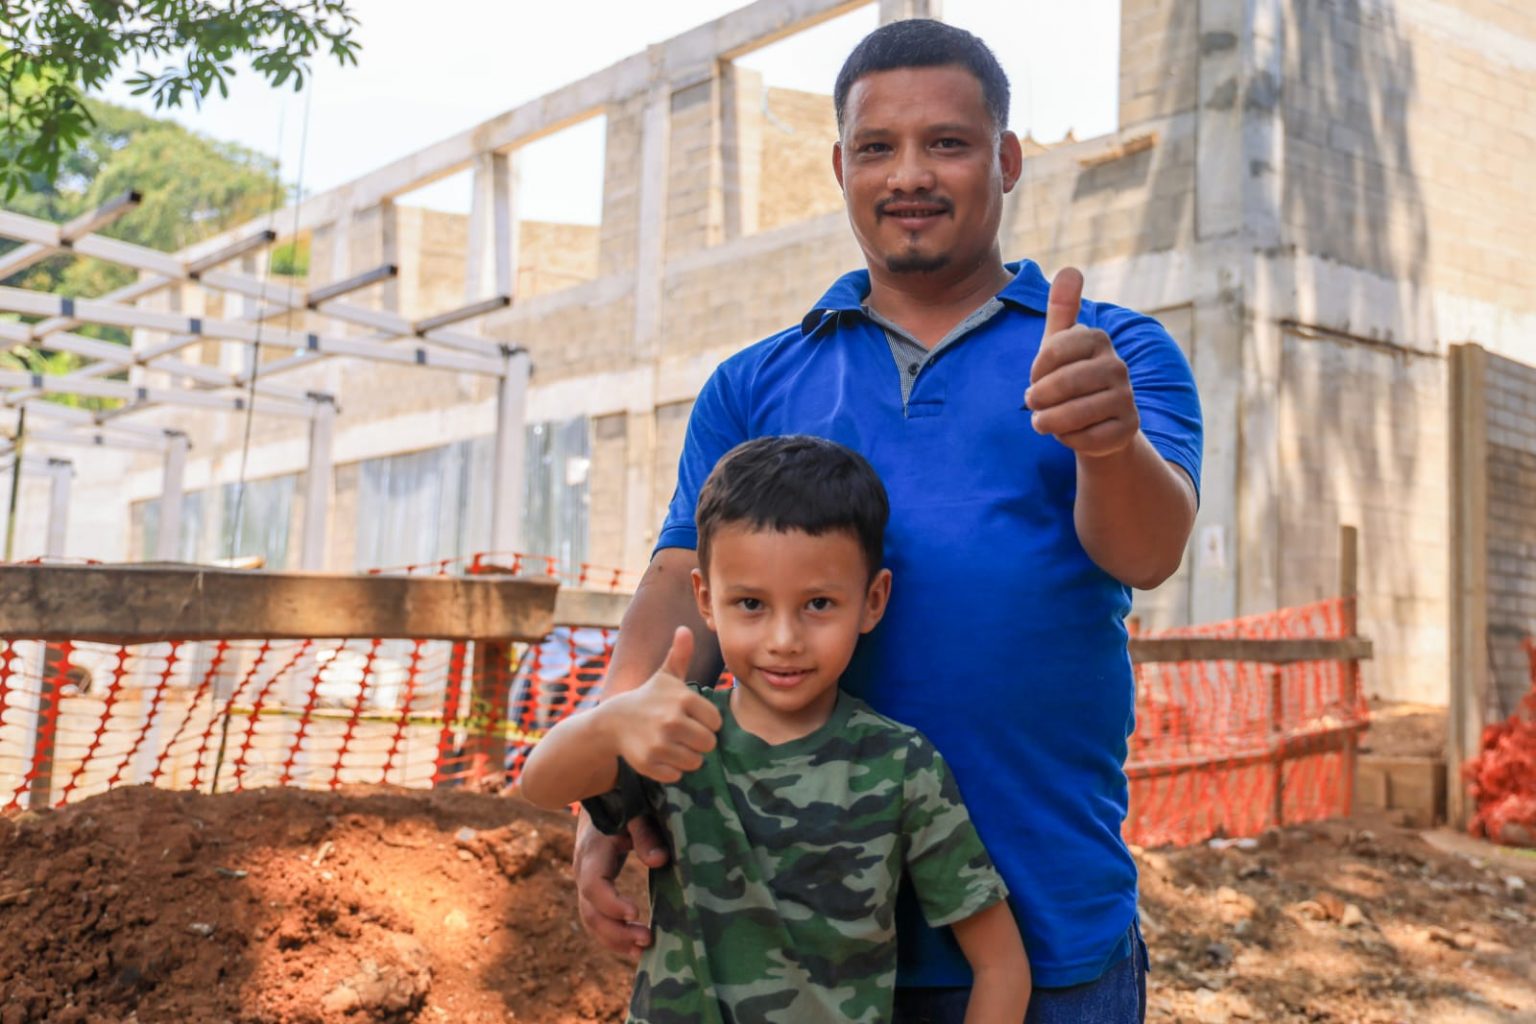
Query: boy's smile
x=788, y=608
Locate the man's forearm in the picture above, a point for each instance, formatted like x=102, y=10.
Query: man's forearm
x=1134, y=513
x=662, y=602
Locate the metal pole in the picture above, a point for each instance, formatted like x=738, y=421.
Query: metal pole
x=510, y=455
x=16, y=450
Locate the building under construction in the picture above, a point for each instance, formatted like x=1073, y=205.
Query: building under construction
x=1327, y=204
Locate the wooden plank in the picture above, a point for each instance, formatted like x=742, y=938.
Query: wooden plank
x=1302, y=744
x=1349, y=592
x=149, y=603
x=1146, y=650
x=597, y=608
x=1469, y=570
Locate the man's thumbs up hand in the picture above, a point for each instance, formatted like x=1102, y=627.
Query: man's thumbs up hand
x=663, y=728
x=1079, y=388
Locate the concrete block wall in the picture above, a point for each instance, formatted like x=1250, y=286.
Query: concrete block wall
x=695, y=201
x=1357, y=448
x=1159, y=44
x=1409, y=133
x=1510, y=408
x=795, y=181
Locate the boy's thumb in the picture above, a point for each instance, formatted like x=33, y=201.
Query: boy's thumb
x=679, y=654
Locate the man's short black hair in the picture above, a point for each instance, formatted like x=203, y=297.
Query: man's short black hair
x=924, y=43
x=795, y=482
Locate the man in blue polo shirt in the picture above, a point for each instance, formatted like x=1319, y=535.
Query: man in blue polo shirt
x=1041, y=453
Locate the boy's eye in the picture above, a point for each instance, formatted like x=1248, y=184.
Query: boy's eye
x=749, y=604
x=819, y=604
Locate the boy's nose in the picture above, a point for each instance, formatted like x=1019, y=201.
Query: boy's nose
x=784, y=634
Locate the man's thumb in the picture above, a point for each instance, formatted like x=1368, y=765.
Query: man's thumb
x=1066, y=296
x=679, y=654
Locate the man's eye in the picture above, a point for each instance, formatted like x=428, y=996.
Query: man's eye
x=874, y=148
x=950, y=143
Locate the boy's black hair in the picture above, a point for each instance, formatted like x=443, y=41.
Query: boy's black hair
x=924, y=43
x=795, y=482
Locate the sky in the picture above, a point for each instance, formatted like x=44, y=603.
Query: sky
x=430, y=70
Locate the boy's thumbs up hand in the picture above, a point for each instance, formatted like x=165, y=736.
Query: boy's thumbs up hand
x=1079, y=388
x=664, y=728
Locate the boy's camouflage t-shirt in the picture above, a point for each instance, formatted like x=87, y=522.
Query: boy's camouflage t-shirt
x=778, y=904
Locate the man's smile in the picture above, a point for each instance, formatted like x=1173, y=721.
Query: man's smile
x=914, y=214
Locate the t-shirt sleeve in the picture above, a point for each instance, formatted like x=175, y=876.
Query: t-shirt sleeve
x=628, y=799
x=715, y=426
x=948, y=866
x=1163, y=384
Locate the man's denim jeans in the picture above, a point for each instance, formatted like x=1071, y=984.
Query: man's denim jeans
x=1119, y=996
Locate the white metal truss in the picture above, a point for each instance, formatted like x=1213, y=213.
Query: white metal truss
x=430, y=342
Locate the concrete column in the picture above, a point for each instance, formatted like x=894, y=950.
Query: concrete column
x=639, y=487
x=491, y=268
x=168, y=540
x=340, y=263
x=900, y=10
x=741, y=137
x=508, y=468
x=60, y=472
x=640, y=438
x=389, y=252
x=318, y=483
x=655, y=140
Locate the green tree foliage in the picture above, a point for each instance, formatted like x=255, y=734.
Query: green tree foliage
x=191, y=186
x=52, y=52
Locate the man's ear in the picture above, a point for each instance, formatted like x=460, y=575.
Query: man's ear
x=1010, y=154
x=701, y=598
x=837, y=164
x=876, y=598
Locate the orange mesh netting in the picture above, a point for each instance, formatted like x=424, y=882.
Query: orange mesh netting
x=1503, y=775
x=1229, y=748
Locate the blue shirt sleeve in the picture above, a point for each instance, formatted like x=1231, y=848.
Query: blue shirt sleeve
x=1163, y=384
x=714, y=428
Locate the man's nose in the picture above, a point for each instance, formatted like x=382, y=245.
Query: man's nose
x=911, y=171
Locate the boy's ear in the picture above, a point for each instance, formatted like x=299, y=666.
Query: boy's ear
x=701, y=598
x=875, y=599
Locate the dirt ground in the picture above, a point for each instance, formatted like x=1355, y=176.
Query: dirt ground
x=282, y=906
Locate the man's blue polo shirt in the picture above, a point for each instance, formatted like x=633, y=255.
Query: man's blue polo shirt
x=1003, y=641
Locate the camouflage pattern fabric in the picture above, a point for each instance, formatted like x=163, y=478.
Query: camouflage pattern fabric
x=778, y=904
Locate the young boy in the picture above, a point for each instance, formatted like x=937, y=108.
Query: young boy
x=795, y=811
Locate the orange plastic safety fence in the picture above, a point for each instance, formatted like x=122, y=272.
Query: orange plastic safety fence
x=1221, y=748
x=1229, y=748
x=77, y=718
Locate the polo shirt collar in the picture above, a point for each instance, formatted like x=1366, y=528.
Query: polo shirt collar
x=1029, y=290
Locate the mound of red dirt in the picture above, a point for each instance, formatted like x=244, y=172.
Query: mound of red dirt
x=289, y=907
